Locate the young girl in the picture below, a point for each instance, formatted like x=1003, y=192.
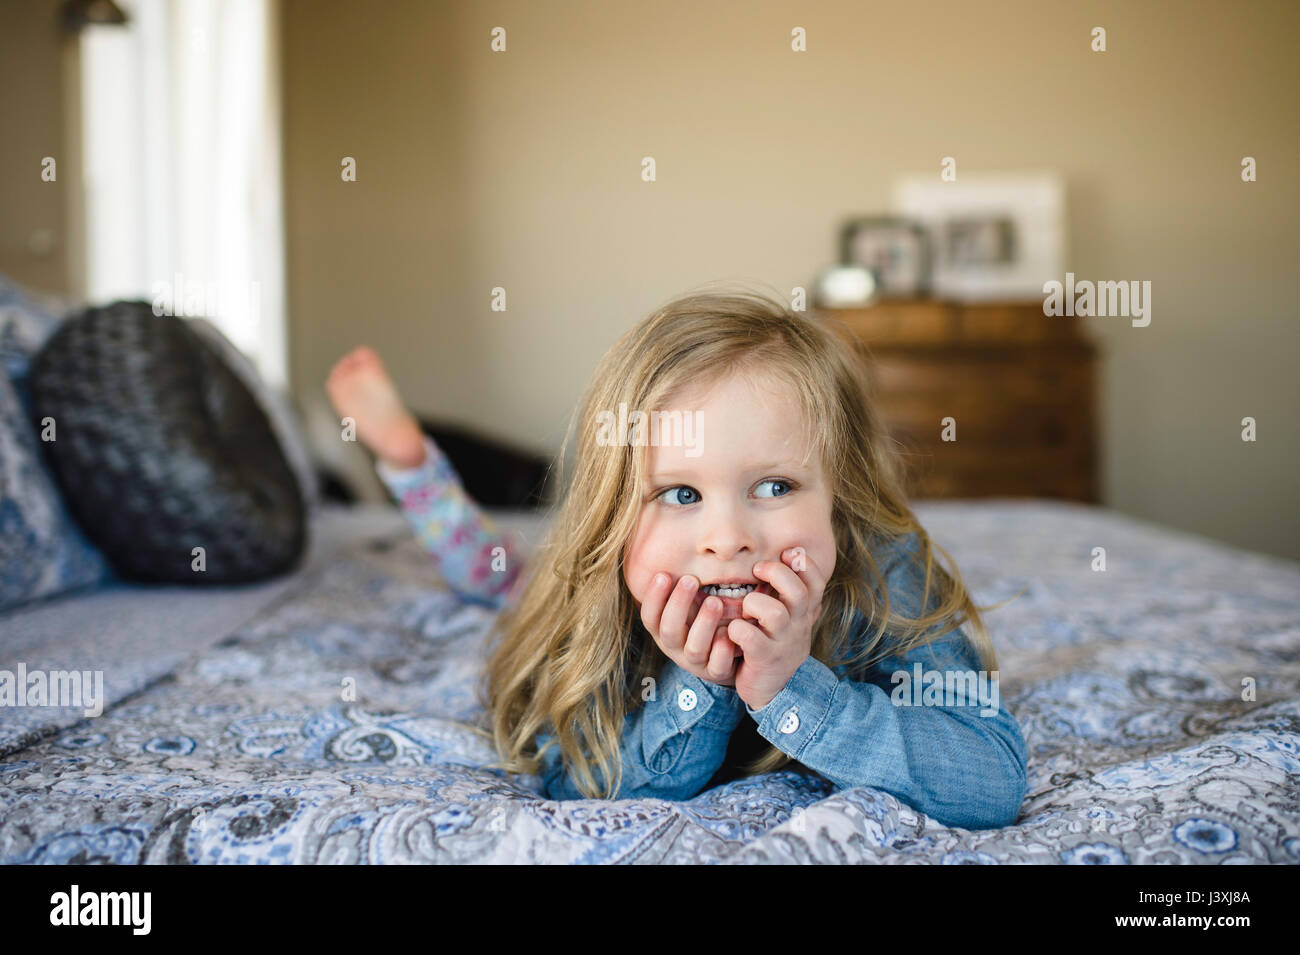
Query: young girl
x=742, y=590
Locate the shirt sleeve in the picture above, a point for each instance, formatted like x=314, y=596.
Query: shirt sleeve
x=473, y=556
x=670, y=747
x=954, y=753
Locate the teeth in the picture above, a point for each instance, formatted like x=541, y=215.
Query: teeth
x=715, y=591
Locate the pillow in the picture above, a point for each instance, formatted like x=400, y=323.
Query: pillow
x=42, y=551
x=162, y=453
x=284, y=421
x=25, y=324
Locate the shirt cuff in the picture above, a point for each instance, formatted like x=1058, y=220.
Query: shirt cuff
x=790, y=719
x=430, y=471
x=685, y=701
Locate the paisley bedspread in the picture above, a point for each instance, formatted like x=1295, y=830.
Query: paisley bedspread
x=1159, y=698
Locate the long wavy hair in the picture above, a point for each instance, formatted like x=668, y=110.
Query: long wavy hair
x=569, y=656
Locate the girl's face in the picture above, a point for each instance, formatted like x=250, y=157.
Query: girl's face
x=739, y=497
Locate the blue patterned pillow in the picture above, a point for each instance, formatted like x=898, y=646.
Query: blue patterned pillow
x=42, y=550
x=25, y=323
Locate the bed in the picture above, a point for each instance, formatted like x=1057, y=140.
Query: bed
x=1160, y=701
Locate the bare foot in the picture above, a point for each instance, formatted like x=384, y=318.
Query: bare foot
x=360, y=388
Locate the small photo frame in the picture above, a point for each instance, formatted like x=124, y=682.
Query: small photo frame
x=895, y=249
x=996, y=236
x=979, y=240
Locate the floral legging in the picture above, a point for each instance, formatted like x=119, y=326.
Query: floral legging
x=461, y=539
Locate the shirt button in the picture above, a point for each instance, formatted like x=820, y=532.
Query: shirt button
x=686, y=698
x=789, y=722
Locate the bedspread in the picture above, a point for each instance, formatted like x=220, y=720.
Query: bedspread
x=335, y=727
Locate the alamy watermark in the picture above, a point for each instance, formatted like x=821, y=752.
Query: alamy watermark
x=946, y=688
x=71, y=688
x=75, y=907
x=1121, y=299
x=677, y=429
x=194, y=299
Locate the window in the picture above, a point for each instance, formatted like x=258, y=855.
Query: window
x=181, y=156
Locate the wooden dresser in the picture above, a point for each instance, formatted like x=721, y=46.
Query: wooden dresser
x=1019, y=384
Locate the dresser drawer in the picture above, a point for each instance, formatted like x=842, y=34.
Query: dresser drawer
x=1018, y=384
x=937, y=322
x=989, y=423
x=936, y=482
x=1023, y=375
x=978, y=472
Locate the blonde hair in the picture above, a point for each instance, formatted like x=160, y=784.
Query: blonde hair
x=570, y=655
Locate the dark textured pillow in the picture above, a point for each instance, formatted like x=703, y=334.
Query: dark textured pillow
x=160, y=449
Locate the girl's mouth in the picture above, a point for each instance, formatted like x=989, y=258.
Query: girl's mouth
x=732, y=598
x=738, y=591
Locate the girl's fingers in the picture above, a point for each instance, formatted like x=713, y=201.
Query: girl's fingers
x=771, y=614
x=652, y=607
x=795, y=588
x=806, y=568
x=699, y=642
x=789, y=586
x=748, y=637
x=672, y=623
x=722, y=661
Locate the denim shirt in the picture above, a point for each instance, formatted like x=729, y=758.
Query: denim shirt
x=947, y=760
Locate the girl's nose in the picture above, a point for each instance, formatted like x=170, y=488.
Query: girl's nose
x=727, y=538
x=728, y=554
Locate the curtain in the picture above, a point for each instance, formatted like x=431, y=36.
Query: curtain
x=181, y=158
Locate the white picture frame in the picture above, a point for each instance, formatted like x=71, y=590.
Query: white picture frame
x=1033, y=203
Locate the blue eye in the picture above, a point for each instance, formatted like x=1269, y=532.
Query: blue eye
x=677, y=491
x=787, y=484
x=673, y=496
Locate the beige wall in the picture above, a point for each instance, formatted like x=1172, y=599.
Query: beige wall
x=35, y=123
x=522, y=170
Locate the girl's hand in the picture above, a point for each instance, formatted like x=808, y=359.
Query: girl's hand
x=782, y=639
x=698, y=651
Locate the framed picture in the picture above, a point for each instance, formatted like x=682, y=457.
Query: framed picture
x=896, y=250
x=996, y=237
x=979, y=240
